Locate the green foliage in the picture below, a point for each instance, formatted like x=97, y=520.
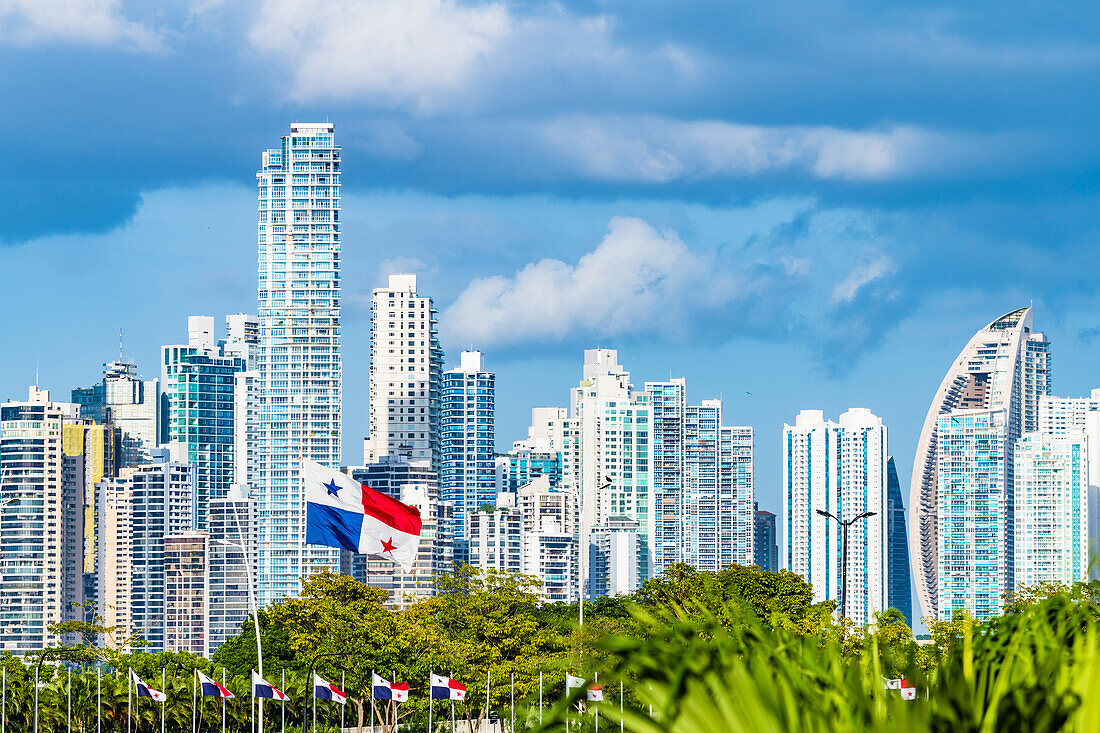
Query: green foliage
x=736, y=650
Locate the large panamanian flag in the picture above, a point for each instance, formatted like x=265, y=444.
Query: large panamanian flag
x=341, y=512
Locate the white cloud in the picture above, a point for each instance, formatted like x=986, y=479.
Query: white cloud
x=861, y=276
x=645, y=149
x=637, y=280
x=94, y=22
x=398, y=50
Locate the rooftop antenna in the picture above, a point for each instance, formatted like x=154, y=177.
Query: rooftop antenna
x=36, y=373
x=120, y=344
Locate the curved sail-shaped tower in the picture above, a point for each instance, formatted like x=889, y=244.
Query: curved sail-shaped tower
x=1005, y=366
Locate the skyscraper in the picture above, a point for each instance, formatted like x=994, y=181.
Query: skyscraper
x=143, y=506
x=1062, y=415
x=1005, y=366
x=702, y=482
x=973, y=551
x=1051, y=517
x=899, y=592
x=298, y=350
x=231, y=521
x=468, y=441
x=838, y=467
x=41, y=522
x=198, y=380
x=607, y=453
x=405, y=374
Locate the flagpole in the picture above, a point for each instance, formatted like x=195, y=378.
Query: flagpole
x=314, y=708
x=36, y=700
x=251, y=600
x=98, y=699
x=129, y=706
x=4, y=704
x=343, y=686
x=513, y=703
x=371, y=701
x=487, y=680
x=596, y=710
x=194, y=680
x=431, y=699
x=223, y=701
x=620, y=706
x=69, y=702
x=540, y=697
x=164, y=689
x=282, y=703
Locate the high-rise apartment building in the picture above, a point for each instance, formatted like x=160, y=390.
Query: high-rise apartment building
x=1004, y=367
x=141, y=507
x=405, y=375
x=231, y=521
x=496, y=539
x=123, y=399
x=607, y=453
x=198, y=380
x=41, y=521
x=974, y=554
x=899, y=592
x=1052, y=509
x=187, y=592
x=837, y=467
x=1062, y=415
x=467, y=478
x=298, y=381
x=702, y=475
x=765, y=540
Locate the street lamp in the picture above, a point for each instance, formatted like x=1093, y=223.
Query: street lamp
x=844, y=525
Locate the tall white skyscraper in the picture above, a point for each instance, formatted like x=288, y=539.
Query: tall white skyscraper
x=702, y=476
x=838, y=467
x=1052, y=543
x=1005, y=366
x=298, y=351
x=607, y=453
x=1062, y=415
x=41, y=520
x=405, y=375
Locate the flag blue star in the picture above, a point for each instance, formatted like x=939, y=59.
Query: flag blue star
x=332, y=487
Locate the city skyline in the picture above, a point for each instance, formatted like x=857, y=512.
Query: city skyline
x=827, y=202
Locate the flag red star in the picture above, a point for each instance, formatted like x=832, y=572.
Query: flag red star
x=388, y=546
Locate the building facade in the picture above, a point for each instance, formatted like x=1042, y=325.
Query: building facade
x=974, y=553
x=899, y=583
x=840, y=468
x=765, y=540
x=41, y=522
x=298, y=389
x=1005, y=366
x=405, y=375
x=143, y=506
x=126, y=401
x=199, y=387
x=231, y=521
x=467, y=477
x=187, y=592
x=1052, y=509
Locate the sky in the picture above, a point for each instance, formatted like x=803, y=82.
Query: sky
x=801, y=205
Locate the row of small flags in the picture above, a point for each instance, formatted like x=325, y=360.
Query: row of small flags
x=443, y=688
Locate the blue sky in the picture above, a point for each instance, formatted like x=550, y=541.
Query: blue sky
x=797, y=205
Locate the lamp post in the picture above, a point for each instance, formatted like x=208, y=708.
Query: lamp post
x=844, y=525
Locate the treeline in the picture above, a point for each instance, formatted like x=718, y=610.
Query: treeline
x=741, y=649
